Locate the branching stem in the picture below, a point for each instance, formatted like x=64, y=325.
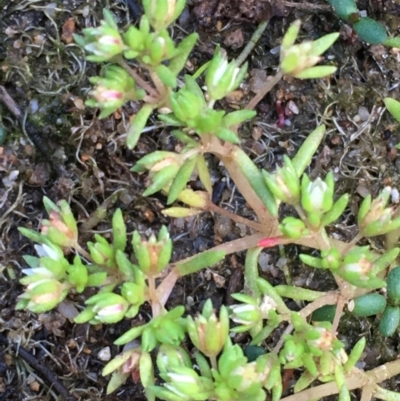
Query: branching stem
x=83, y=252
x=327, y=299
x=138, y=79
x=153, y=297
x=264, y=90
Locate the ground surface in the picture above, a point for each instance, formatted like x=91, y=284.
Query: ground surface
x=72, y=155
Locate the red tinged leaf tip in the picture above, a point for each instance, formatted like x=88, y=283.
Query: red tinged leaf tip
x=270, y=242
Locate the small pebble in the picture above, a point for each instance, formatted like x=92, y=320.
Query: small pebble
x=291, y=108
x=189, y=301
x=281, y=262
x=275, y=50
x=34, y=106
x=363, y=113
x=263, y=261
x=104, y=354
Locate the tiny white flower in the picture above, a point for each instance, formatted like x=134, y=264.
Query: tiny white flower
x=41, y=271
x=28, y=272
x=162, y=41
x=44, y=250
x=316, y=190
x=363, y=267
x=31, y=286
x=324, y=342
x=249, y=375
x=91, y=47
x=109, y=310
x=243, y=308
x=246, y=314
x=109, y=40
x=176, y=377
x=103, y=94
x=233, y=80
x=219, y=73
x=267, y=304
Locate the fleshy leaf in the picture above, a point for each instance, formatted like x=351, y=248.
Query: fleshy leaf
x=307, y=150
x=393, y=106
x=181, y=179
x=137, y=125
x=200, y=261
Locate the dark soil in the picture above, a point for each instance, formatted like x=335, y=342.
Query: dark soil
x=60, y=149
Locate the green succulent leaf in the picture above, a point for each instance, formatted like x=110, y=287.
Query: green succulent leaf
x=344, y=8
x=256, y=180
x=96, y=279
x=170, y=119
x=184, y=137
x=320, y=71
x=307, y=150
x=193, y=87
x=337, y=209
x=355, y=354
x=148, y=161
x=117, y=380
x=238, y=117
x=385, y=260
x=321, y=45
x=204, y=174
x=166, y=76
x=137, y=125
x=393, y=106
x=181, y=179
x=177, y=63
x=368, y=305
x=389, y=321
x=32, y=235
x=393, y=286
x=324, y=314
x=371, y=31
x=162, y=179
x=311, y=261
x=130, y=335
x=291, y=35
x=227, y=135
x=392, y=42
x=200, y=261
x=119, y=231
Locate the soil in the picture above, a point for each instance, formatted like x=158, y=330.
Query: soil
x=60, y=149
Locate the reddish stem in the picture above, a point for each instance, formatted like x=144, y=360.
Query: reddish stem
x=281, y=114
